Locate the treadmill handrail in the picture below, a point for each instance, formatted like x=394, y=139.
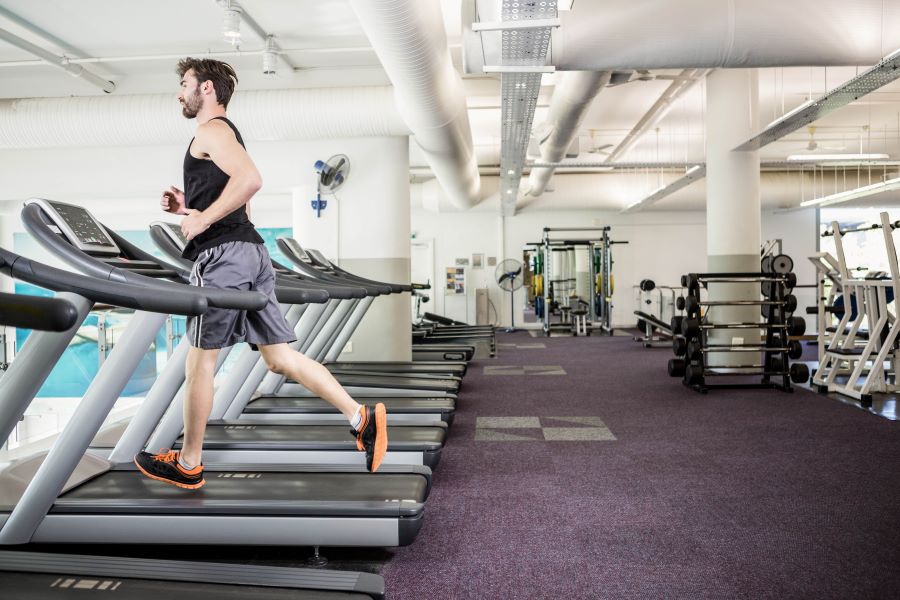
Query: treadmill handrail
x=33, y=220
x=36, y=312
x=374, y=288
x=312, y=292
x=319, y=259
x=180, y=301
x=337, y=291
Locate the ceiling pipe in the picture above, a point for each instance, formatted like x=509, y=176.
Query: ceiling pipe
x=571, y=100
x=59, y=61
x=264, y=115
x=411, y=43
x=41, y=33
x=623, y=34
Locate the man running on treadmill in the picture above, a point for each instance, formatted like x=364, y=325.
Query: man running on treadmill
x=219, y=181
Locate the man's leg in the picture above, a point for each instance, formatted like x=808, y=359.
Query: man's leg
x=200, y=370
x=369, y=423
x=311, y=374
x=184, y=468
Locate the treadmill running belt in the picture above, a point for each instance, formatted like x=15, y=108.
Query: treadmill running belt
x=300, y=437
x=252, y=492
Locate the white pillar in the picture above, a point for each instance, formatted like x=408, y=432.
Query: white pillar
x=732, y=204
x=366, y=230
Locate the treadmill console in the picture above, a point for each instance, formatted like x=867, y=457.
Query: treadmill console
x=296, y=248
x=78, y=226
x=173, y=232
x=319, y=259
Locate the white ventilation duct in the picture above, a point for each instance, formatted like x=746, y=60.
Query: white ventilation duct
x=409, y=38
x=613, y=191
x=623, y=34
x=571, y=100
x=157, y=119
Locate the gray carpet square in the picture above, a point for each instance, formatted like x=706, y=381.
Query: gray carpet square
x=504, y=370
x=508, y=422
x=589, y=421
x=544, y=370
x=578, y=434
x=492, y=435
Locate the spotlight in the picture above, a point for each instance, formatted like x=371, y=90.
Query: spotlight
x=231, y=26
x=270, y=56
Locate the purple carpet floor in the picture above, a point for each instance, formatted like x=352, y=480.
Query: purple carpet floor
x=734, y=494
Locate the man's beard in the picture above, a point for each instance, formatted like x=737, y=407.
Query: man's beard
x=192, y=105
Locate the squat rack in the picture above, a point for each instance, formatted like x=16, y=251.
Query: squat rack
x=600, y=303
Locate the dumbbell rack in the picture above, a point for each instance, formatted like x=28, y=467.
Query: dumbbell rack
x=693, y=349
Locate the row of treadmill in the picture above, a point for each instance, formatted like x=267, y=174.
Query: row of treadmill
x=281, y=466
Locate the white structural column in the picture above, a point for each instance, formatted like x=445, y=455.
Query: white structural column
x=366, y=230
x=732, y=202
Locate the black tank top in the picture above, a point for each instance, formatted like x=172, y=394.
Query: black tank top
x=203, y=184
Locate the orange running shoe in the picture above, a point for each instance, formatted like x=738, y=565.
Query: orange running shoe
x=372, y=437
x=165, y=467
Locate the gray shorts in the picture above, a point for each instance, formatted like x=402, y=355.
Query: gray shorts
x=237, y=266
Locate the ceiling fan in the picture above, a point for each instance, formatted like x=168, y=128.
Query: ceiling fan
x=812, y=144
x=601, y=149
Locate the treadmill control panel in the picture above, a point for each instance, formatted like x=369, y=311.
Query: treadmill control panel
x=78, y=226
x=296, y=249
x=318, y=258
x=173, y=231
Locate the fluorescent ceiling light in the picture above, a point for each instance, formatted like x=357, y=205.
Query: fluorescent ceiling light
x=862, y=192
x=826, y=157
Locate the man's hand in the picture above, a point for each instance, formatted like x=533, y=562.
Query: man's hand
x=193, y=224
x=172, y=201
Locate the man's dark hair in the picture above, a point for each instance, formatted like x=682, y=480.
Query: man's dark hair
x=220, y=73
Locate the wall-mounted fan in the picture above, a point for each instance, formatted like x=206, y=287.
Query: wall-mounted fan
x=509, y=277
x=332, y=175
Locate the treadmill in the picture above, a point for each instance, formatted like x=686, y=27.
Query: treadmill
x=303, y=263
x=346, y=324
x=241, y=397
x=168, y=236
x=66, y=496
x=227, y=441
x=54, y=575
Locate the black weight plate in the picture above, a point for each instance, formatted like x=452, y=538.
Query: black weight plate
x=799, y=373
x=676, y=367
x=782, y=264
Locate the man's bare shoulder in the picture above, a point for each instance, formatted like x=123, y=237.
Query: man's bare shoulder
x=215, y=130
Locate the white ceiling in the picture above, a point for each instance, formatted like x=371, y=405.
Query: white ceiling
x=325, y=41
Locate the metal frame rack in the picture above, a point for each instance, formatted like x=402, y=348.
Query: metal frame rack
x=600, y=304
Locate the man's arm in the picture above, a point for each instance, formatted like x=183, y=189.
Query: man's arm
x=217, y=140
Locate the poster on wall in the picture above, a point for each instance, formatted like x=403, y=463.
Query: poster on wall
x=477, y=261
x=456, y=281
